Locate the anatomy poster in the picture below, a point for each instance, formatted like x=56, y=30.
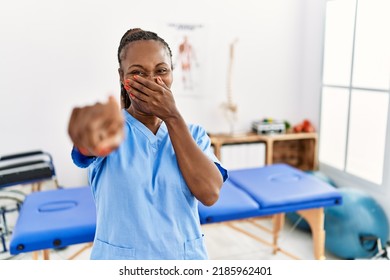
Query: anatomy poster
x=187, y=45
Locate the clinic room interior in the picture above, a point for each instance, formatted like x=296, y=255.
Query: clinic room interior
x=293, y=95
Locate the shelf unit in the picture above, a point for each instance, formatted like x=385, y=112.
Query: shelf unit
x=296, y=149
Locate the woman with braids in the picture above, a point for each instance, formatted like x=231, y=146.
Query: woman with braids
x=147, y=168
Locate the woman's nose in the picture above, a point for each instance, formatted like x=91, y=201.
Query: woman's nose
x=152, y=77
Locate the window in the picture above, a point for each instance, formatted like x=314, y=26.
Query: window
x=356, y=88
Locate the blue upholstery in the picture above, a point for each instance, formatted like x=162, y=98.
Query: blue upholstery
x=233, y=204
x=57, y=218
x=27, y=168
x=277, y=188
x=54, y=218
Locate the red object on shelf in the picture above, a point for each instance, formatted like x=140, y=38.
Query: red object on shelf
x=305, y=126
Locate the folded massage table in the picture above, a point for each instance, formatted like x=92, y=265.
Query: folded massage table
x=63, y=217
x=274, y=190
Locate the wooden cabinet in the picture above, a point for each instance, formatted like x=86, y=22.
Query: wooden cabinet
x=296, y=149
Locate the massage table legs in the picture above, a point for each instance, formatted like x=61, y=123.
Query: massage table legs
x=46, y=253
x=315, y=218
x=278, y=222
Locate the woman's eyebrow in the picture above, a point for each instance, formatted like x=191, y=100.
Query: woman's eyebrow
x=135, y=65
x=161, y=63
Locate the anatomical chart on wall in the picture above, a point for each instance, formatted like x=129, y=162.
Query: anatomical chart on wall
x=188, y=52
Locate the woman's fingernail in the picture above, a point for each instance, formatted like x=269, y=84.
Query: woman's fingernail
x=135, y=77
x=131, y=95
x=104, y=151
x=82, y=150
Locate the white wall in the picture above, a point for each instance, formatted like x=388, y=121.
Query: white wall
x=55, y=55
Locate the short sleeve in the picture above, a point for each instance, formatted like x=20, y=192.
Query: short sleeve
x=81, y=160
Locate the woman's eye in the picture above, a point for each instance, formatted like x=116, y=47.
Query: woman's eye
x=162, y=71
x=139, y=73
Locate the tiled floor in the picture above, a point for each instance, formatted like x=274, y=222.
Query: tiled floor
x=225, y=243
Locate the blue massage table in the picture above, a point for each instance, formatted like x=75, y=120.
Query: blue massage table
x=54, y=219
x=274, y=190
x=31, y=168
x=57, y=218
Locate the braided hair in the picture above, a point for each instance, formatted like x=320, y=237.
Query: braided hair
x=132, y=35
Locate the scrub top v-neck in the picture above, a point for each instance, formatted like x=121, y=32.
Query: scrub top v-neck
x=145, y=210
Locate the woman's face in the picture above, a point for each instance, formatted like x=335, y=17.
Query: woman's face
x=146, y=58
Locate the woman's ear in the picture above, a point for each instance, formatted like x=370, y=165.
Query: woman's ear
x=121, y=76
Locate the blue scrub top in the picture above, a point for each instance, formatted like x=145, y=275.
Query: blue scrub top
x=144, y=208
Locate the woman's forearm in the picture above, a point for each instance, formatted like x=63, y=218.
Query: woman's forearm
x=200, y=173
